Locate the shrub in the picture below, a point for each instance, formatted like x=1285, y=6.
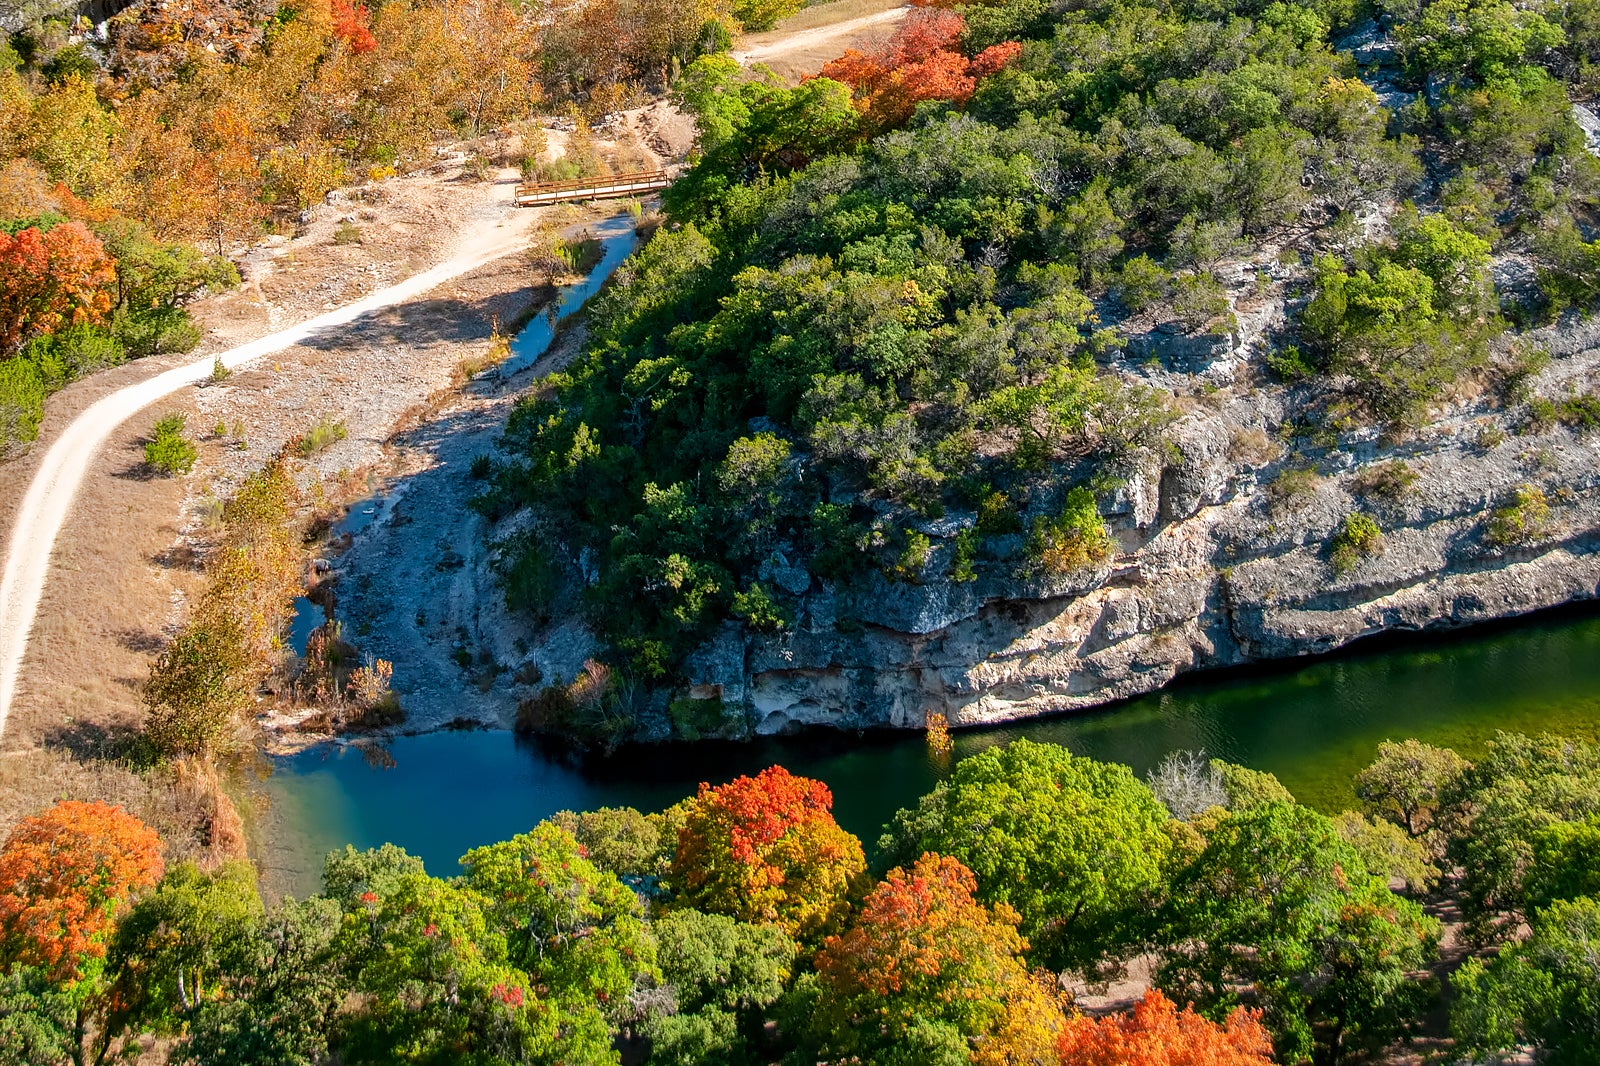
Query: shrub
x=21, y=403
x=1579, y=412
x=1293, y=484
x=1141, y=283
x=760, y=611
x=966, y=553
x=169, y=450
x=1072, y=540
x=481, y=467
x=1390, y=480
x=320, y=437
x=1358, y=539
x=347, y=232
x=1521, y=520
x=913, y=557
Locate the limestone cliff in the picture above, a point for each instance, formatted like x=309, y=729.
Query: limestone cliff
x=1218, y=565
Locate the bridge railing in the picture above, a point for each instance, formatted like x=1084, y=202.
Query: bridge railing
x=550, y=192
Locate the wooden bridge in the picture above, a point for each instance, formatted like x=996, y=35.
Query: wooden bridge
x=560, y=192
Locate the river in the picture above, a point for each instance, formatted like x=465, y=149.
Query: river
x=1313, y=724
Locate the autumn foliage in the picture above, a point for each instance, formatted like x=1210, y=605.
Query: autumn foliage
x=64, y=876
x=353, y=26
x=1156, y=1033
x=925, y=950
x=51, y=278
x=922, y=61
x=766, y=849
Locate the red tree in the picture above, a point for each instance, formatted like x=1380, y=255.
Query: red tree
x=50, y=278
x=64, y=875
x=1156, y=1033
x=766, y=849
x=352, y=25
x=922, y=61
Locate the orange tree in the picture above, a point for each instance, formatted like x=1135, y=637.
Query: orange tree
x=51, y=276
x=1156, y=1033
x=766, y=849
x=64, y=877
x=927, y=974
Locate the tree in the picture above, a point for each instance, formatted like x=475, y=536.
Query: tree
x=720, y=974
x=1405, y=783
x=1539, y=993
x=921, y=61
x=65, y=877
x=925, y=954
x=620, y=840
x=285, y=984
x=1187, y=785
x=1521, y=787
x=175, y=947
x=1156, y=1033
x=1387, y=851
x=766, y=849
x=1077, y=847
x=576, y=932
x=51, y=278
x=439, y=986
x=1279, y=904
x=198, y=686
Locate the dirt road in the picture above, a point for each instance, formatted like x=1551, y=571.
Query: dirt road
x=803, y=51
x=50, y=495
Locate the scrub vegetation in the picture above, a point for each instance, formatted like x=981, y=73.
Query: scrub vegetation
x=744, y=926
x=896, y=296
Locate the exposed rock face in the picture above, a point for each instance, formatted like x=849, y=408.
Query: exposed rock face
x=1217, y=569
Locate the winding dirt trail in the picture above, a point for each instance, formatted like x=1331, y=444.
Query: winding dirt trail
x=50, y=495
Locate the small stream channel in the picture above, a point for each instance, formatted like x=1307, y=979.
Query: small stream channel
x=1312, y=723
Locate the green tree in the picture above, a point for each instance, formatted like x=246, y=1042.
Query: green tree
x=1521, y=787
x=1407, y=782
x=576, y=932
x=174, y=949
x=720, y=973
x=1077, y=847
x=1279, y=904
x=1540, y=993
x=285, y=986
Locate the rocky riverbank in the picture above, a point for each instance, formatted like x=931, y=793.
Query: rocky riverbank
x=1226, y=559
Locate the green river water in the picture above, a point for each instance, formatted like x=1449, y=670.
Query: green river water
x=1313, y=724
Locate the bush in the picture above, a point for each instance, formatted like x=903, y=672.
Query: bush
x=320, y=437
x=1358, y=539
x=1293, y=484
x=347, y=233
x=22, y=395
x=1521, y=520
x=169, y=451
x=1390, y=480
x=1073, y=540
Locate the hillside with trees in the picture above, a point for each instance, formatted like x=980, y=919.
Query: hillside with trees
x=744, y=926
x=979, y=320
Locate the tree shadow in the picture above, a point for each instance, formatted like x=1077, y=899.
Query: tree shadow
x=141, y=640
x=445, y=320
x=90, y=740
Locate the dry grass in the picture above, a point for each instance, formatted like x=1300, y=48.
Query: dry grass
x=117, y=579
